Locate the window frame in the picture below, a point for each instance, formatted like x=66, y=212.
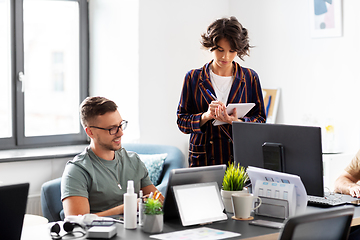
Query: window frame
x=18, y=139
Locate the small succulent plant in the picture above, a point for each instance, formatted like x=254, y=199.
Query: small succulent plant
x=153, y=207
x=234, y=178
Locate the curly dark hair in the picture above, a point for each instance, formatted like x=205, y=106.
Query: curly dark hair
x=232, y=30
x=92, y=107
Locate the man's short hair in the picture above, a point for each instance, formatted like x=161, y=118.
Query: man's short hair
x=92, y=107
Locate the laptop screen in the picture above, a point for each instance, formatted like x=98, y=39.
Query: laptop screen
x=13, y=200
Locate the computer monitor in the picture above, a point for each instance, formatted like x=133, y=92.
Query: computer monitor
x=288, y=148
x=182, y=176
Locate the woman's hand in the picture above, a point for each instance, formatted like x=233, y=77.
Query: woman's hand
x=222, y=115
x=210, y=113
x=217, y=111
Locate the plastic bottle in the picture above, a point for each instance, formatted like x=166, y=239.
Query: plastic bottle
x=141, y=208
x=130, y=207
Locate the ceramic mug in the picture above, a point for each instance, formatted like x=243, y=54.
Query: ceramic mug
x=243, y=204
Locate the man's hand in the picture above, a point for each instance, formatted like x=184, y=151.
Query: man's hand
x=355, y=191
x=346, y=184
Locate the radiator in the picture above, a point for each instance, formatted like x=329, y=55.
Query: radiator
x=34, y=205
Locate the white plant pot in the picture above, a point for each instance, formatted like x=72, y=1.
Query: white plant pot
x=226, y=197
x=153, y=223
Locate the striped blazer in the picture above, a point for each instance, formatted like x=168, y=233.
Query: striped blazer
x=211, y=145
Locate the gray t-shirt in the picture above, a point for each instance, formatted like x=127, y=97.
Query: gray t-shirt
x=85, y=176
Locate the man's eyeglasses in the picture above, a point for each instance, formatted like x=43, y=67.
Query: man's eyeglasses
x=114, y=130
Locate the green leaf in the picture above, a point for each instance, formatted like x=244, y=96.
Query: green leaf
x=234, y=178
x=153, y=207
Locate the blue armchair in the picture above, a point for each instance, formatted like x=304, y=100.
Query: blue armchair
x=175, y=159
x=51, y=204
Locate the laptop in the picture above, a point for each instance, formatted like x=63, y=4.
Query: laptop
x=13, y=200
x=182, y=176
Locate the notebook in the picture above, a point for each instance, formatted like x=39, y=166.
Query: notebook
x=13, y=200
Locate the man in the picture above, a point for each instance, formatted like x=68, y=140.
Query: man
x=346, y=182
x=96, y=179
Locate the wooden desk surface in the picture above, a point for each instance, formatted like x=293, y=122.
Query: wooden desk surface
x=41, y=232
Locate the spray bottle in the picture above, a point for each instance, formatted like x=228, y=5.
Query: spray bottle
x=130, y=207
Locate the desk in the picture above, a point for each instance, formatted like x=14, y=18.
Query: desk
x=34, y=225
x=249, y=232
x=41, y=232
x=32, y=220
x=309, y=209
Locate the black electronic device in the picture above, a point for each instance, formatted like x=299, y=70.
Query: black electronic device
x=333, y=200
x=103, y=223
x=192, y=175
x=266, y=223
x=273, y=156
x=68, y=228
x=13, y=200
x=302, y=151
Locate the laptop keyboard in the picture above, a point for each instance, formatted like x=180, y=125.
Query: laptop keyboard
x=324, y=202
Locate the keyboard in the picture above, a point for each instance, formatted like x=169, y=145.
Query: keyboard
x=325, y=202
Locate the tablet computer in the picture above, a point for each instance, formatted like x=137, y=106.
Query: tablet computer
x=199, y=203
x=182, y=176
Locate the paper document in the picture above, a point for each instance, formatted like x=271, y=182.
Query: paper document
x=197, y=233
x=241, y=108
x=280, y=177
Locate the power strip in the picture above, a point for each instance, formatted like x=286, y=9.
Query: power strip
x=102, y=232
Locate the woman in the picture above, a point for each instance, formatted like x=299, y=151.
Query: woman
x=207, y=91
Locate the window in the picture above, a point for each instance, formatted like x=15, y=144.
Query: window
x=46, y=71
x=5, y=69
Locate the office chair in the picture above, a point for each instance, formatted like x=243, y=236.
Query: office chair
x=328, y=224
x=51, y=204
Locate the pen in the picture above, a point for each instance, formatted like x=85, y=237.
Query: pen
x=141, y=194
x=141, y=208
x=155, y=194
x=158, y=196
x=212, y=95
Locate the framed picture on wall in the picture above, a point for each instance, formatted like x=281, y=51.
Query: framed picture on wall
x=326, y=18
x=271, y=101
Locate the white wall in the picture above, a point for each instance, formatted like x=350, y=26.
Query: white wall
x=114, y=57
x=319, y=78
x=169, y=47
x=35, y=172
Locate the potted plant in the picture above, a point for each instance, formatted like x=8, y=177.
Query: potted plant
x=153, y=216
x=233, y=182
